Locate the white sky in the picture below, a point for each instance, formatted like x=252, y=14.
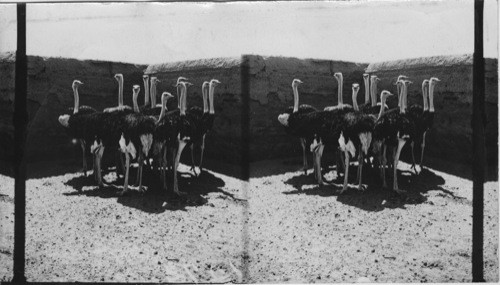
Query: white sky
x=159, y=32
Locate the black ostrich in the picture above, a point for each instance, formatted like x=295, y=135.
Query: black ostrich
x=423, y=117
x=321, y=127
x=188, y=126
x=136, y=138
x=74, y=127
x=356, y=133
x=302, y=109
x=207, y=118
x=393, y=129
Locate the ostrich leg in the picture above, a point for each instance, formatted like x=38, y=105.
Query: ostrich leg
x=141, y=164
x=422, y=153
x=304, y=157
x=401, y=143
x=413, y=166
x=192, y=160
x=127, y=168
x=202, y=151
x=181, y=144
x=360, y=170
x=346, y=173
x=82, y=143
x=383, y=162
x=98, y=159
x=317, y=157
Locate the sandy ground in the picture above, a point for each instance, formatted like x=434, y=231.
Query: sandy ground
x=280, y=227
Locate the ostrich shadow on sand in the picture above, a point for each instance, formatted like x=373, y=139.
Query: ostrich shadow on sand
x=374, y=198
x=154, y=199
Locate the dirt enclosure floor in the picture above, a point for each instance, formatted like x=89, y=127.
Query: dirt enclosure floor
x=278, y=227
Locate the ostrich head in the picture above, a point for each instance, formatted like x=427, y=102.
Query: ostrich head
x=167, y=96
x=77, y=83
x=366, y=76
x=215, y=82
x=434, y=80
x=136, y=88
x=145, y=77
x=119, y=77
x=384, y=94
x=296, y=82
x=338, y=76
x=355, y=87
x=180, y=79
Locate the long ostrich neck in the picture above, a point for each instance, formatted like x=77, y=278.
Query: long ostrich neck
x=77, y=99
x=120, y=92
x=398, y=85
x=402, y=107
x=134, y=99
x=382, y=104
x=355, y=100
x=340, y=99
x=204, y=95
x=431, y=97
x=163, y=107
x=424, y=95
x=295, y=98
x=367, y=90
x=183, y=100
x=153, y=94
x=211, y=89
x=146, y=91
x=374, y=93
x=179, y=93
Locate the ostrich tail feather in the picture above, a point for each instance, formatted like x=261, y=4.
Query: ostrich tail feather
x=147, y=142
x=64, y=120
x=366, y=139
x=283, y=119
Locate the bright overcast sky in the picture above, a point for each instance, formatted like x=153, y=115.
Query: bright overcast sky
x=160, y=32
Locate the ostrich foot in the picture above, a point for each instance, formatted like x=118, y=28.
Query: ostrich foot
x=414, y=167
x=180, y=193
x=399, y=191
x=142, y=190
x=361, y=188
x=123, y=192
x=341, y=191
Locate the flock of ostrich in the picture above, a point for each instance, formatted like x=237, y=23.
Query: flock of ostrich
x=156, y=136
x=367, y=131
x=151, y=134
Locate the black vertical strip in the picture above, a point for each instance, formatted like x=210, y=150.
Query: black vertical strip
x=478, y=124
x=20, y=120
x=245, y=157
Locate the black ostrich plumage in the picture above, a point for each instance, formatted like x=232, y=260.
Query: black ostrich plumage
x=167, y=128
x=303, y=109
x=423, y=121
x=355, y=123
x=135, y=125
x=82, y=125
x=82, y=110
x=324, y=125
x=390, y=124
x=369, y=109
x=207, y=122
x=151, y=111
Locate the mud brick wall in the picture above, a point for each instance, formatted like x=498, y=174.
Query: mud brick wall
x=50, y=94
x=451, y=136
